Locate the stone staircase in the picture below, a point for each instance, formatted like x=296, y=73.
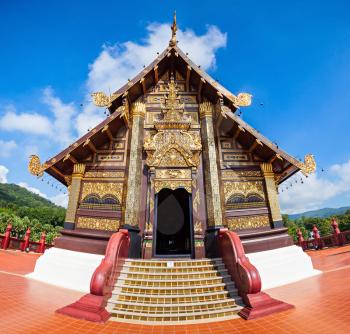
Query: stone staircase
x=173, y=292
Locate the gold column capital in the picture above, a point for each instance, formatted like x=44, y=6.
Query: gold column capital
x=267, y=170
x=271, y=191
x=138, y=109
x=78, y=170
x=206, y=109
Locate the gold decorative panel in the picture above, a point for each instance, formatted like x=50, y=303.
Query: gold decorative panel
x=107, y=174
x=173, y=145
x=173, y=173
x=102, y=189
x=235, y=157
x=172, y=184
x=106, y=224
x=110, y=157
x=240, y=174
x=243, y=188
x=245, y=222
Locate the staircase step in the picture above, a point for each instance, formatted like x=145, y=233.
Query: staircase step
x=175, y=290
x=173, y=263
x=175, y=275
x=184, y=269
x=172, y=283
x=172, y=299
x=168, y=318
x=173, y=308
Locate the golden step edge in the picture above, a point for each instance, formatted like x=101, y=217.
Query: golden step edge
x=170, y=313
x=177, y=317
x=234, y=315
x=168, y=283
x=173, y=299
x=237, y=300
x=161, y=288
x=184, y=270
x=126, y=277
x=172, y=263
x=175, y=309
x=170, y=292
x=171, y=276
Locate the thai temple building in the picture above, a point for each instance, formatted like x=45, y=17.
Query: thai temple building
x=178, y=197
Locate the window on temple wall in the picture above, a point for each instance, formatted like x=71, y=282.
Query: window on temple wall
x=95, y=202
x=239, y=201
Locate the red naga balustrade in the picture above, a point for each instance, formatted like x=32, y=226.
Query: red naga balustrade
x=338, y=238
x=92, y=306
x=301, y=241
x=246, y=278
x=25, y=244
x=7, y=238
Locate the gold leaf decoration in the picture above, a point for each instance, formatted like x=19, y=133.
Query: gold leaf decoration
x=238, y=223
x=308, y=166
x=93, y=223
x=35, y=167
x=243, y=100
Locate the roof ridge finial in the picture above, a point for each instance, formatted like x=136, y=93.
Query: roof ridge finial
x=173, y=40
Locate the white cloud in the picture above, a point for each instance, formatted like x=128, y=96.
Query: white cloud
x=60, y=199
x=7, y=147
x=3, y=174
x=116, y=63
x=57, y=124
x=32, y=123
x=63, y=114
x=122, y=61
x=32, y=189
x=316, y=189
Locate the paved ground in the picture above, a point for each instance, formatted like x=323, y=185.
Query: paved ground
x=322, y=303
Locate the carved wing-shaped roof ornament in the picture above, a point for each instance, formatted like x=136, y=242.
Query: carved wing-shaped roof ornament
x=309, y=165
x=35, y=167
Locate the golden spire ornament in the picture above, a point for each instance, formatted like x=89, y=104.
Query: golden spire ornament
x=173, y=40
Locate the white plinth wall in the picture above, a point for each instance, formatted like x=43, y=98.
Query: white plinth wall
x=282, y=266
x=66, y=269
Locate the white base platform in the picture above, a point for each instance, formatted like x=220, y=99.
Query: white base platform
x=66, y=269
x=282, y=266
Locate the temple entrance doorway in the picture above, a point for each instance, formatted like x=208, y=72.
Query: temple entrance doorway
x=173, y=218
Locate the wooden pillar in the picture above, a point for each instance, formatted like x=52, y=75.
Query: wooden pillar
x=272, y=195
x=211, y=175
x=133, y=196
x=74, y=191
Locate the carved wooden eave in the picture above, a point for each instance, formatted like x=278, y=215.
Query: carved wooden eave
x=284, y=165
x=61, y=165
x=172, y=58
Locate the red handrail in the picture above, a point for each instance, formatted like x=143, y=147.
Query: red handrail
x=92, y=305
x=246, y=278
x=106, y=273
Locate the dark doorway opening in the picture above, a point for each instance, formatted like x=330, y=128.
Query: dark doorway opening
x=173, y=216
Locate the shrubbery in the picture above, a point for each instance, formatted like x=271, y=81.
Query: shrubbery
x=305, y=224
x=20, y=226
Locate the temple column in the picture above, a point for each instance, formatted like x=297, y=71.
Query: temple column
x=74, y=191
x=132, y=205
x=211, y=175
x=272, y=194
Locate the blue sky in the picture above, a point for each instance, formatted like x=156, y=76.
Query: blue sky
x=294, y=57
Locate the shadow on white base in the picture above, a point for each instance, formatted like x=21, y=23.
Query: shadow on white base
x=282, y=266
x=66, y=269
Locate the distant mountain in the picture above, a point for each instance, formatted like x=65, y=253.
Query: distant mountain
x=23, y=203
x=321, y=213
x=14, y=195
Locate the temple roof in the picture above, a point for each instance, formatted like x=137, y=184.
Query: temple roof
x=172, y=58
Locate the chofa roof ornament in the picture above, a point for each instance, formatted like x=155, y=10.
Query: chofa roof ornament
x=173, y=40
x=309, y=164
